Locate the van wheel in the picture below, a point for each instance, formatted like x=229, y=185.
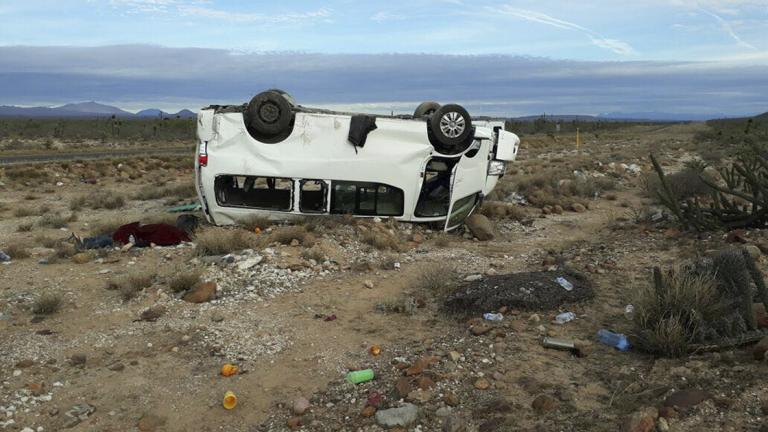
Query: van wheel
x=426, y=108
x=450, y=129
x=269, y=117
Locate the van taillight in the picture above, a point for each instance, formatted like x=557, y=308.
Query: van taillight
x=202, y=157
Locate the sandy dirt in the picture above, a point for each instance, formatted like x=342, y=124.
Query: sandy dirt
x=270, y=320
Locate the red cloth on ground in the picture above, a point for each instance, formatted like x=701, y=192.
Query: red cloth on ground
x=159, y=234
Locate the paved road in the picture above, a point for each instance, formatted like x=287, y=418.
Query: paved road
x=90, y=155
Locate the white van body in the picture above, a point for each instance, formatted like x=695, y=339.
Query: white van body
x=316, y=171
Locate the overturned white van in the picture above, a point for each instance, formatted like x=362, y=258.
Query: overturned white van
x=274, y=158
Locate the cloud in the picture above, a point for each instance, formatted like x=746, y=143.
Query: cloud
x=729, y=30
x=613, y=45
x=243, y=17
x=144, y=75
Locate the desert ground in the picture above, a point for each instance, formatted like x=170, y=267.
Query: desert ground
x=104, y=340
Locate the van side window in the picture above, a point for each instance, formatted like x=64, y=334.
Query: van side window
x=267, y=193
x=312, y=198
x=363, y=198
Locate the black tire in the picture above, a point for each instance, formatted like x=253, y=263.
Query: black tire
x=269, y=117
x=450, y=129
x=287, y=97
x=426, y=108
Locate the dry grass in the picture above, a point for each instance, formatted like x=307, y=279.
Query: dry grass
x=29, y=211
x=185, y=190
x=553, y=187
x=667, y=322
x=683, y=184
x=501, y=210
x=56, y=220
x=129, y=286
x=287, y=234
x=380, y=240
x=443, y=239
x=16, y=251
x=435, y=278
x=47, y=304
x=406, y=305
x=183, y=279
x=317, y=252
x=388, y=261
x=24, y=227
x=105, y=199
x=260, y=222
x=221, y=241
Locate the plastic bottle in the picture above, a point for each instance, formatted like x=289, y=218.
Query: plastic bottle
x=629, y=311
x=565, y=317
x=360, y=376
x=616, y=340
x=564, y=283
x=493, y=316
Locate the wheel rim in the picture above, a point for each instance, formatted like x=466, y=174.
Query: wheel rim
x=269, y=112
x=452, y=124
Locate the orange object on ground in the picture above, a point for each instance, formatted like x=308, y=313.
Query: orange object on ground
x=229, y=369
x=230, y=400
x=375, y=350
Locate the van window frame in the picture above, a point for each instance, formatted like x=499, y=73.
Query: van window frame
x=326, y=188
x=230, y=205
x=366, y=185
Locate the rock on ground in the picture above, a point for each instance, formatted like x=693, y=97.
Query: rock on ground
x=403, y=416
x=480, y=226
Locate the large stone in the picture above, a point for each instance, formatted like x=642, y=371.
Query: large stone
x=402, y=416
x=201, y=293
x=759, y=350
x=454, y=424
x=150, y=423
x=544, y=404
x=480, y=226
x=686, y=398
x=578, y=208
x=300, y=405
x=403, y=387
x=642, y=421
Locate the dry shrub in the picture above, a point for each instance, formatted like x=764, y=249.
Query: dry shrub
x=24, y=227
x=108, y=225
x=25, y=211
x=129, y=286
x=329, y=222
x=221, y=241
x=554, y=186
x=388, y=262
x=316, y=252
x=16, y=251
x=260, y=222
x=443, y=239
x=287, y=234
x=404, y=305
x=105, y=199
x=46, y=304
x=185, y=190
x=501, y=210
x=667, y=321
x=381, y=240
x=436, y=278
x=183, y=280
x=56, y=220
x=683, y=184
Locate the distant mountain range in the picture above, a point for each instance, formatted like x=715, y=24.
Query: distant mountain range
x=629, y=116
x=87, y=109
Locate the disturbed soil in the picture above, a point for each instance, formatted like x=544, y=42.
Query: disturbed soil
x=296, y=316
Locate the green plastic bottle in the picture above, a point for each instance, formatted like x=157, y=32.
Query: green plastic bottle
x=360, y=376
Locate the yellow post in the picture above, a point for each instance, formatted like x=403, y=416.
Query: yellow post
x=578, y=140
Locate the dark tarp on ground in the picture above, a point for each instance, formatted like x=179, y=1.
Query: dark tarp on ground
x=144, y=235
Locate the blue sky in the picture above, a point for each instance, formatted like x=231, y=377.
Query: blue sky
x=155, y=52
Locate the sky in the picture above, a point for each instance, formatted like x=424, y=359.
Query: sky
x=496, y=57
